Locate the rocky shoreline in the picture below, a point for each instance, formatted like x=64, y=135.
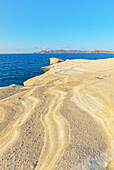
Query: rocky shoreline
x=60, y=120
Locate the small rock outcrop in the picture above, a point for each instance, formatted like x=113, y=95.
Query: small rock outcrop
x=55, y=60
x=47, y=68
x=52, y=62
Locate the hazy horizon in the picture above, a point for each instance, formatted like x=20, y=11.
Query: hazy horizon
x=52, y=49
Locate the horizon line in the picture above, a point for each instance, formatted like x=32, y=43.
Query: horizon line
x=36, y=52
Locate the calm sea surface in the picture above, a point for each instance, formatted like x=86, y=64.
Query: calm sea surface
x=17, y=68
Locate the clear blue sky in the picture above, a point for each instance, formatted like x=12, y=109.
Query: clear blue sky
x=33, y=25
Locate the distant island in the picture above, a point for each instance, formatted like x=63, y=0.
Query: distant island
x=72, y=51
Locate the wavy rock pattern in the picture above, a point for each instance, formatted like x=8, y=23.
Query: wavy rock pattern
x=57, y=133
x=60, y=120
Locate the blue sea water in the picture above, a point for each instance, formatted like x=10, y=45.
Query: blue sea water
x=17, y=68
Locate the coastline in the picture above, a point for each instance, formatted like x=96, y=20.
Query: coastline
x=22, y=67
x=74, y=52
x=55, y=102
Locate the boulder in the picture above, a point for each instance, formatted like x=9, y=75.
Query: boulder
x=55, y=60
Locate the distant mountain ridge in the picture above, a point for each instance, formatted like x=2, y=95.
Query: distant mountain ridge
x=72, y=51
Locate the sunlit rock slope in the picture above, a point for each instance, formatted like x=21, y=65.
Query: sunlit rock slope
x=61, y=120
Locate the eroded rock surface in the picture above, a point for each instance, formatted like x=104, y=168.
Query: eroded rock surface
x=60, y=120
x=55, y=60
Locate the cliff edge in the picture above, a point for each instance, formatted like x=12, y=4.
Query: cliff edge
x=60, y=120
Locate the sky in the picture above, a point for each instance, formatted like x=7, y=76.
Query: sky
x=28, y=26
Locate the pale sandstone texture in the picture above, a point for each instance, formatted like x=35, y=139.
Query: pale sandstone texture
x=55, y=60
x=61, y=120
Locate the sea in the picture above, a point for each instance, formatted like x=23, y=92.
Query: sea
x=17, y=68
